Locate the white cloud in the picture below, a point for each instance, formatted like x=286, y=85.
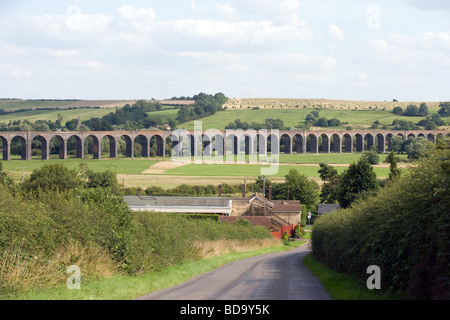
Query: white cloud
x=225, y=10
x=140, y=19
x=15, y=72
x=211, y=34
x=379, y=45
x=336, y=32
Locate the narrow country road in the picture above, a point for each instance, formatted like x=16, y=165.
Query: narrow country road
x=274, y=276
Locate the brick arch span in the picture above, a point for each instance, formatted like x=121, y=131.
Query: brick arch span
x=304, y=141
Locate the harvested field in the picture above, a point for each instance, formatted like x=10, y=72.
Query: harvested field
x=277, y=103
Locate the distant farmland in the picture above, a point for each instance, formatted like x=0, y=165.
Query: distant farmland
x=279, y=103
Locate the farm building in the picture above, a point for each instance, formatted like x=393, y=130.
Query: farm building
x=255, y=208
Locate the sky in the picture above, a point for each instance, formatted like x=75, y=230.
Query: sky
x=116, y=49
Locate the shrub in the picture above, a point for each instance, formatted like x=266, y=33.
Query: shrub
x=285, y=239
x=404, y=229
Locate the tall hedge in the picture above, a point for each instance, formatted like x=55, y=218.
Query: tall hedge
x=304, y=215
x=404, y=229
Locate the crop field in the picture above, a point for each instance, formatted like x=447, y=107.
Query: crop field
x=83, y=113
x=277, y=103
x=294, y=118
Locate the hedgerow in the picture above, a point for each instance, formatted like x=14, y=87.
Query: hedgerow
x=404, y=229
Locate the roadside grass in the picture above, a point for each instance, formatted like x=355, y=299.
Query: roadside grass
x=123, y=287
x=344, y=287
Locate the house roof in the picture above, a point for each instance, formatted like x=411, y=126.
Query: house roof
x=220, y=205
x=261, y=198
x=326, y=208
x=286, y=206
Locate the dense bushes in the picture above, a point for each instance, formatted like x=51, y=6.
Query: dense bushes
x=404, y=229
x=46, y=231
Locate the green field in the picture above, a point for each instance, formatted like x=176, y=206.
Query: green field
x=69, y=114
x=249, y=170
x=296, y=117
x=120, y=166
x=11, y=105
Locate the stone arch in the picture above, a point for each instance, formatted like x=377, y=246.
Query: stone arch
x=141, y=142
x=347, y=143
x=157, y=146
x=335, y=143
x=274, y=142
x=39, y=146
x=286, y=144
x=381, y=143
x=126, y=146
x=359, y=141
x=173, y=145
x=248, y=143
x=110, y=146
x=218, y=144
x=206, y=145
x=57, y=145
x=312, y=143
x=431, y=137
x=325, y=143
x=75, y=146
x=261, y=144
x=92, y=145
x=411, y=135
x=297, y=143
x=19, y=150
x=368, y=141
x=232, y=144
x=389, y=137
x=4, y=144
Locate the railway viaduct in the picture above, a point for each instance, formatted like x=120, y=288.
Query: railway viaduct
x=197, y=143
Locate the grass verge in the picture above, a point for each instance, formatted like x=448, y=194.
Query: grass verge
x=122, y=287
x=342, y=286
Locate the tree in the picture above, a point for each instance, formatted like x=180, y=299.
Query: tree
x=397, y=110
x=423, y=110
x=106, y=179
x=444, y=110
x=394, y=172
x=372, y=155
x=54, y=176
x=411, y=111
x=417, y=148
x=358, y=178
x=299, y=187
x=330, y=177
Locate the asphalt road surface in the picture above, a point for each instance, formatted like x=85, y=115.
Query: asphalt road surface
x=273, y=276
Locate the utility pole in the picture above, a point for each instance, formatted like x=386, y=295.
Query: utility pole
x=264, y=187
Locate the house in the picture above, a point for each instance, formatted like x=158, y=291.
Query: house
x=326, y=208
x=255, y=208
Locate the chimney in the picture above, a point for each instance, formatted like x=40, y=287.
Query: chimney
x=270, y=193
x=139, y=190
x=220, y=190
